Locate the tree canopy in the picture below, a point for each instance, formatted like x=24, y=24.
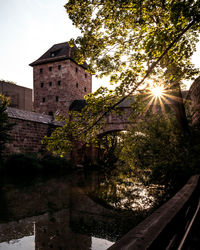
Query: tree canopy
x=5, y=125
x=125, y=39
x=134, y=41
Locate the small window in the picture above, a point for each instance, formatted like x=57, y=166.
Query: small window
x=59, y=67
x=59, y=83
x=85, y=89
x=57, y=98
x=50, y=68
x=54, y=53
x=76, y=69
x=50, y=84
x=77, y=85
x=41, y=71
x=85, y=75
x=43, y=99
x=41, y=84
x=50, y=113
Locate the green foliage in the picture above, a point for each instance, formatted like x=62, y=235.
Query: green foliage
x=51, y=164
x=22, y=165
x=5, y=125
x=133, y=42
x=107, y=145
x=6, y=81
x=27, y=166
x=124, y=38
x=80, y=124
x=156, y=151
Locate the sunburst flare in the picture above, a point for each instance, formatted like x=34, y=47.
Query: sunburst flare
x=157, y=91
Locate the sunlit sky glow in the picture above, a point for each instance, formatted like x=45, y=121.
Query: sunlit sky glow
x=28, y=29
x=157, y=91
x=160, y=94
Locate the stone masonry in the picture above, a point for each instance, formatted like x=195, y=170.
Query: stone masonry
x=30, y=128
x=58, y=80
x=20, y=97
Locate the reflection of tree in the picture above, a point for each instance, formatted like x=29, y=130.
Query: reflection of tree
x=124, y=192
x=69, y=217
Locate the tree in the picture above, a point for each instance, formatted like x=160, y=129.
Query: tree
x=79, y=125
x=155, y=151
x=5, y=125
x=133, y=42
x=129, y=40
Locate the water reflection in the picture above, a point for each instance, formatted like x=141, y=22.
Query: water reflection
x=22, y=244
x=73, y=212
x=49, y=232
x=100, y=244
x=123, y=192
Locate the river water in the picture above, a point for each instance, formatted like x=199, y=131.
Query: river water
x=79, y=211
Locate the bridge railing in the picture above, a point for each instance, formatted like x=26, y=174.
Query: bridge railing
x=164, y=228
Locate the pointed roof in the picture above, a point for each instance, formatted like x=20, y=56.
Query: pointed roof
x=57, y=52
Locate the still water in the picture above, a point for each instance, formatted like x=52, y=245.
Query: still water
x=83, y=211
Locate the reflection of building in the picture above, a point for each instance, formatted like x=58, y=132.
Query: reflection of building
x=20, y=97
x=54, y=232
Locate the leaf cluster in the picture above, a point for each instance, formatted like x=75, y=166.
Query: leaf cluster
x=5, y=125
x=79, y=125
x=124, y=38
x=156, y=151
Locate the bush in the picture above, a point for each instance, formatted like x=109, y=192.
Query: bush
x=157, y=152
x=22, y=165
x=52, y=164
x=28, y=166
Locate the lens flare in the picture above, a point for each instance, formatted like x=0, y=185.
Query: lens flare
x=157, y=91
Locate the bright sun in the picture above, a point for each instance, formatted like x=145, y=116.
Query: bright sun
x=157, y=91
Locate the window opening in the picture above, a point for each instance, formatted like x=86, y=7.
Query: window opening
x=41, y=71
x=59, y=83
x=43, y=99
x=77, y=85
x=50, y=68
x=54, y=53
x=50, y=84
x=41, y=84
x=59, y=67
x=57, y=98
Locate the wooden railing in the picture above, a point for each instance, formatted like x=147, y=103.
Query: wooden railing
x=168, y=226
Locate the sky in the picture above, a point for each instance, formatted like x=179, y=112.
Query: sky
x=28, y=29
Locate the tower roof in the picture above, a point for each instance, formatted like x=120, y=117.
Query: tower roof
x=57, y=52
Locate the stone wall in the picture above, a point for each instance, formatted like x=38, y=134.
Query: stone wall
x=194, y=94
x=20, y=97
x=57, y=84
x=30, y=128
x=26, y=136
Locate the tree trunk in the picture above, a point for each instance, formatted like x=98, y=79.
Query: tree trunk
x=179, y=109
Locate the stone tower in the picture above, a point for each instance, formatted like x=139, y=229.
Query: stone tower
x=59, y=80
